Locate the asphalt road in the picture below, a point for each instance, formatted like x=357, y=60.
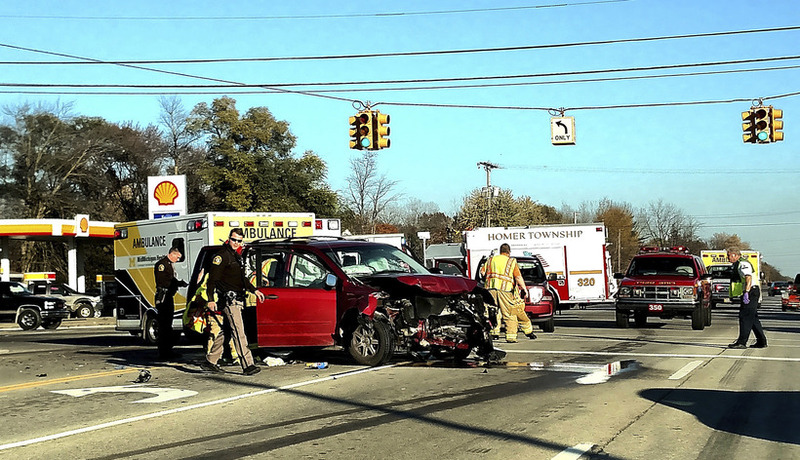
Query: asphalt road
x=589, y=390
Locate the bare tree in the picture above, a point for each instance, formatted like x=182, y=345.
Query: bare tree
x=663, y=224
x=174, y=120
x=368, y=192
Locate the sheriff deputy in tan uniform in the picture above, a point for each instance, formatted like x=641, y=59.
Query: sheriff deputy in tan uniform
x=166, y=287
x=501, y=272
x=227, y=284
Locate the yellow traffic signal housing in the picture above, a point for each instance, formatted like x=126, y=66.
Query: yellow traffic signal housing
x=761, y=123
x=381, y=131
x=775, y=124
x=360, y=130
x=748, y=127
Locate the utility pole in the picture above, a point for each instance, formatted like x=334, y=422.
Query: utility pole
x=489, y=190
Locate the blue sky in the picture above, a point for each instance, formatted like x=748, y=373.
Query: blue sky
x=689, y=155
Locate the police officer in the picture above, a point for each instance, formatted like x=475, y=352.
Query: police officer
x=226, y=290
x=166, y=287
x=501, y=273
x=742, y=281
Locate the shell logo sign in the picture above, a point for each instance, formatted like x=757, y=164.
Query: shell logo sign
x=165, y=193
x=166, y=196
x=84, y=225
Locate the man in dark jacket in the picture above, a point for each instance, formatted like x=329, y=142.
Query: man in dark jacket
x=226, y=292
x=166, y=287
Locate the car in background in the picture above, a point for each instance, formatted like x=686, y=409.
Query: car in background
x=30, y=311
x=664, y=282
x=541, y=302
x=81, y=305
x=790, y=298
x=778, y=287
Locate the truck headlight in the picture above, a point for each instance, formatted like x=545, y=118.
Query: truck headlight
x=624, y=291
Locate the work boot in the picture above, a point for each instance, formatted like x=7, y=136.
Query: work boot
x=211, y=367
x=531, y=335
x=737, y=346
x=759, y=345
x=252, y=370
x=511, y=340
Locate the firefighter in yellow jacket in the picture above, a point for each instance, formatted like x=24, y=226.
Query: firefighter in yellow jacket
x=501, y=272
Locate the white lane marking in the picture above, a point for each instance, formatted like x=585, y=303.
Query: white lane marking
x=3, y=352
x=162, y=394
x=684, y=371
x=163, y=413
x=574, y=452
x=653, y=355
x=593, y=373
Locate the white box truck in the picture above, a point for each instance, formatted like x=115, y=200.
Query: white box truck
x=574, y=257
x=139, y=245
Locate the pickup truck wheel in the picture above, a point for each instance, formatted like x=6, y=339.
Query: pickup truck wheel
x=371, y=344
x=29, y=319
x=150, y=333
x=698, y=319
x=708, y=317
x=51, y=324
x=84, y=310
x=640, y=318
x=548, y=326
x=622, y=319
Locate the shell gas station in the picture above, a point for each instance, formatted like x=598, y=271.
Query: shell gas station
x=63, y=230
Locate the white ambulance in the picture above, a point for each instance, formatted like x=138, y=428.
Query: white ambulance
x=574, y=256
x=139, y=245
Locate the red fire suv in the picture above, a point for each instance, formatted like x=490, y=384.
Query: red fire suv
x=664, y=282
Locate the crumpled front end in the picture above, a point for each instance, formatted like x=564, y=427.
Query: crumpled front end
x=442, y=326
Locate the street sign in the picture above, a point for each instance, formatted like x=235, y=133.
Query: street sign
x=562, y=130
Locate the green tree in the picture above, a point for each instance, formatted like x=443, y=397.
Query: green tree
x=250, y=164
x=504, y=211
x=618, y=218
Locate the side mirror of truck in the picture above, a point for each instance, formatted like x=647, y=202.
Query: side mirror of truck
x=435, y=270
x=619, y=276
x=552, y=277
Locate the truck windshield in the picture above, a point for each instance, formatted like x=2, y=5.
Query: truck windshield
x=661, y=266
x=18, y=289
x=532, y=271
x=369, y=260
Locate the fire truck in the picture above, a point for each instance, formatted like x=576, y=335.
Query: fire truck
x=139, y=245
x=574, y=257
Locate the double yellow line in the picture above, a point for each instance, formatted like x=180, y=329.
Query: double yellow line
x=21, y=386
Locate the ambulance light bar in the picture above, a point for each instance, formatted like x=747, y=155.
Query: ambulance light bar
x=673, y=249
x=196, y=225
x=120, y=233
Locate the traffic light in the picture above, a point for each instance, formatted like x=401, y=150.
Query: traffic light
x=748, y=127
x=761, y=122
x=380, y=138
x=360, y=131
x=775, y=124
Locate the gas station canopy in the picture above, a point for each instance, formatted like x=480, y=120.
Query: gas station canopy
x=65, y=230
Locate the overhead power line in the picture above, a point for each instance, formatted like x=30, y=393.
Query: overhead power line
x=393, y=54
x=315, y=16
x=431, y=80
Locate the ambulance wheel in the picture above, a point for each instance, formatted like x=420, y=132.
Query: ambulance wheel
x=371, y=344
x=622, y=319
x=84, y=310
x=548, y=326
x=29, y=319
x=150, y=333
x=698, y=319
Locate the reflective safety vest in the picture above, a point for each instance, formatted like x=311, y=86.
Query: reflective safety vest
x=500, y=274
x=740, y=269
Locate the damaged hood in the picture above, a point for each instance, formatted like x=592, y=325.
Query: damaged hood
x=443, y=285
